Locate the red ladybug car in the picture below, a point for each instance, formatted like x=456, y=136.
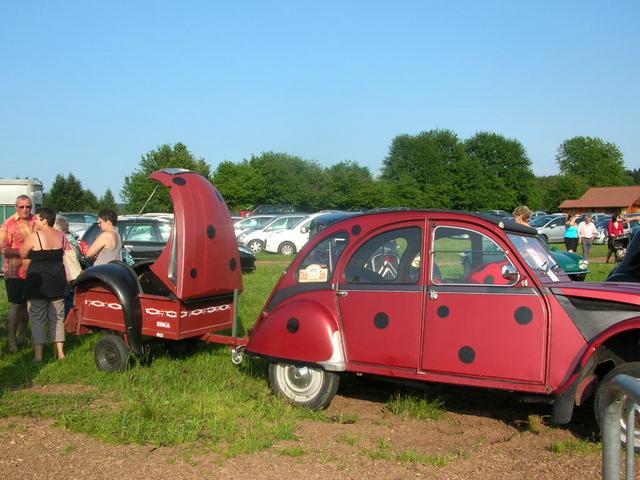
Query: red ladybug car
x=442, y=296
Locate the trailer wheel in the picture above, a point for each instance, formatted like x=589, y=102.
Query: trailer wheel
x=302, y=385
x=632, y=369
x=111, y=354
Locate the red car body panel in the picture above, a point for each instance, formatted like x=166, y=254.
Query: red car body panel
x=303, y=328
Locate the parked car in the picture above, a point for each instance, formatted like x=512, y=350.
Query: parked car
x=508, y=321
x=571, y=263
x=79, y=222
x=289, y=241
x=538, y=213
x=550, y=228
x=252, y=223
x=269, y=210
x=254, y=239
x=145, y=237
x=497, y=213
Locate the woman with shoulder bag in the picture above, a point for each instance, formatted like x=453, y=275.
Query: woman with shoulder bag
x=46, y=283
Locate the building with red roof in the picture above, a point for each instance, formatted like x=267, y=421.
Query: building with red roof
x=605, y=199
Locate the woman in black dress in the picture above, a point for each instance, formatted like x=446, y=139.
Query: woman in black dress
x=46, y=283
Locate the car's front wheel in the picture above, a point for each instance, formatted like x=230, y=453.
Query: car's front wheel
x=255, y=246
x=632, y=369
x=306, y=386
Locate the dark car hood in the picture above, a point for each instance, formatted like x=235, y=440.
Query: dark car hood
x=595, y=307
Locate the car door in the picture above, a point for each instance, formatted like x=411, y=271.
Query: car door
x=482, y=319
x=380, y=298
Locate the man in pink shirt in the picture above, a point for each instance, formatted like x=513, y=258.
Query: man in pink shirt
x=586, y=233
x=12, y=235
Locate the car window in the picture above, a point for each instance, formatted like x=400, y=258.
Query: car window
x=293, y=221
x=89, y=218
x=537, y=255
x=141, y=233
x=165, y=231
x=465, y=256
x=391, y=257
x=320, y=262
x=277, y=224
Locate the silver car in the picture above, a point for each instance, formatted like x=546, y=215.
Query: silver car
x=550, y=227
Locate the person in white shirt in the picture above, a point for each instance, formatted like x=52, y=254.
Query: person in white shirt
x=586, y=233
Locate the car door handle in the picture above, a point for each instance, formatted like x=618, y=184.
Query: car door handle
x=342, y=293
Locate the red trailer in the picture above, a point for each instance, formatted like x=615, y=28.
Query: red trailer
x=190, y=291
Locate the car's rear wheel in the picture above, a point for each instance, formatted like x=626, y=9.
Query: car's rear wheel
x=287, y=248
x=111, y=353
x=303, y=385
x=632, y=369
x=255, y=246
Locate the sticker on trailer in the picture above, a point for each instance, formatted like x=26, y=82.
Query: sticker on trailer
x=163, y=324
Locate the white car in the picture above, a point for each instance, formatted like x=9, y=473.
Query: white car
x=253, y=222
x=290, y=240
x=254, y=239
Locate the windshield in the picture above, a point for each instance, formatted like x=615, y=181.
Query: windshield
x=536, y=253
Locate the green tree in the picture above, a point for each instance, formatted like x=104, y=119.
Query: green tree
x=348, y=186
x=428, y=158
x=600, y=163
x=635, y=175
x=108, y=201
x=558, y=188
x=138, y=188
x=505, y=169
x=289, y=180
x=67, y=195
x=240, y=184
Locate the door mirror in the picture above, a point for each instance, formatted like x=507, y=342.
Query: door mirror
x=510, y=273
x=304, y=229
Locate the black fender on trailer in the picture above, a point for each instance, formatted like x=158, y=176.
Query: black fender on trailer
x=122, y=280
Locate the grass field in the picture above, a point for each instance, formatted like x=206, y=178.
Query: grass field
x=201, y=399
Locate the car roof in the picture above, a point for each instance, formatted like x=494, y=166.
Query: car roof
x=507, y=225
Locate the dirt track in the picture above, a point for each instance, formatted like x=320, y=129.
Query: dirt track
x=482, y=436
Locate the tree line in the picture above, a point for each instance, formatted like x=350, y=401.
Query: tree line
x=433, y=169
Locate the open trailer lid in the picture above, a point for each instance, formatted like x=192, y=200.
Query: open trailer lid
x=201, y=257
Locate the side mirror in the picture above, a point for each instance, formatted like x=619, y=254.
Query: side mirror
x=510, y=273
x=304, y=229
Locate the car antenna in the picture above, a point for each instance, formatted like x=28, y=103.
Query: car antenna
x=126, y=233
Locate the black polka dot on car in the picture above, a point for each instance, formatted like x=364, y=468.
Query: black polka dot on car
x=293, y=325
x=356, y=229
x=489, y=280
x=466, y=355
x=232, y=265
x=524, y=315
x=179, y=181
x=211, y=231
x=193, y=273
x=443, y=311
x=381, y=320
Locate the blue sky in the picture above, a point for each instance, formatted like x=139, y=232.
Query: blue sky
x=88, y=87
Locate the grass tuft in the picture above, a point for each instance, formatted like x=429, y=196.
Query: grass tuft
x=416, y=406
